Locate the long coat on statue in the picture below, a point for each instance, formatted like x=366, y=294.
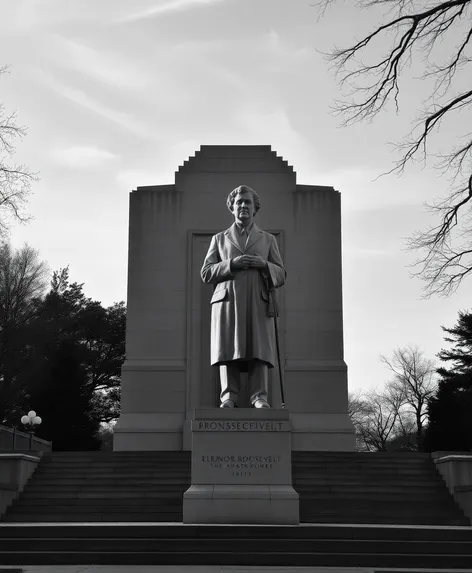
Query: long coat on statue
x=240, y=326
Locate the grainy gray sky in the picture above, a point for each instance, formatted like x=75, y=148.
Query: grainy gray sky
x=117, y=94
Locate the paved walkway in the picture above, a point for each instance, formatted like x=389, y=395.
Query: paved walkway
x=208, y=569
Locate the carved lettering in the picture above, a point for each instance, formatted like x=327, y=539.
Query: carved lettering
x=240, y=426
x=241, y=462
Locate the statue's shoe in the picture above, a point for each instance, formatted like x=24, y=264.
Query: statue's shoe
x=261, y=404
x=228, y=404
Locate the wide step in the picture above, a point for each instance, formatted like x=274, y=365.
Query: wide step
x=334, y=487
x=322, y=546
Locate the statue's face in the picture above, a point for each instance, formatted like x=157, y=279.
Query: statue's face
x=243, y=208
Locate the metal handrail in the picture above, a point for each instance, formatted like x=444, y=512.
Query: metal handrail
x=19, y=438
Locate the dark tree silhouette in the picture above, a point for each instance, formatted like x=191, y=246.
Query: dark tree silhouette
x=71, y=329
x=65, y=400
x=63, y=361
x=371, y=70
x=450, y=410
x=23, y=279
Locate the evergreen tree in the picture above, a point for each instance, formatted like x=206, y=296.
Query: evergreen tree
x=72, y=367
x=65, y=401
x=450, y=410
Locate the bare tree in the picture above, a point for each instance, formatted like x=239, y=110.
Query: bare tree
x=359, y=411
x=376, y=419
x=23, y=277
x=414, y=382
x=424, y=27
x=15, y=179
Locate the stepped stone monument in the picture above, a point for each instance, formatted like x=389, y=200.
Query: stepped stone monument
x=168, y=384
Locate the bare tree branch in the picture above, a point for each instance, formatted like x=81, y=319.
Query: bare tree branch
x=376, y=419
x=419, y=27
x=15, y=180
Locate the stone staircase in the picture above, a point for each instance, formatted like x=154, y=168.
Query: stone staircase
x=334, y=487
x=389, y=488
x=322, y=545
x=89, y=501
x=104, y=486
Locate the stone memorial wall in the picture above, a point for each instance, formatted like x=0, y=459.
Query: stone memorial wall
x=167, y=373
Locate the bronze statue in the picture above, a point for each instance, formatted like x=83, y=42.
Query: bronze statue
x=243, y=262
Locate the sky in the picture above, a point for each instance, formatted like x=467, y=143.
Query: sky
x=117, y=94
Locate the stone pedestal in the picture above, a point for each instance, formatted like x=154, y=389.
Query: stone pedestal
x=241, y=468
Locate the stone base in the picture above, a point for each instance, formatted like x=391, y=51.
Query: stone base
x=456, y=470
x=241, y=468
x=271, y=505
x=15, y=471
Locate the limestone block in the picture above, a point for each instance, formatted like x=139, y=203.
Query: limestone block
x=241, y=468
x=15, y=471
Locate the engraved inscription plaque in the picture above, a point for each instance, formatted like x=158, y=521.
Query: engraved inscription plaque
x=241, y=455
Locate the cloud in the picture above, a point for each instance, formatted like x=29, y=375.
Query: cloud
x=118, y=117
x=82, y=156
x=112, y=69
x=270, y=125
x=84, y=100
x=274, y=42
x=23, y=18
x=363, y=190
x=172, y=6
x=133, y=178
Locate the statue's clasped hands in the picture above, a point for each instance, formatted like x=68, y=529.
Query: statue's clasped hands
x=249, y=261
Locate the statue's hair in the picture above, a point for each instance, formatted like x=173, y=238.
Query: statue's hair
x=243, y=189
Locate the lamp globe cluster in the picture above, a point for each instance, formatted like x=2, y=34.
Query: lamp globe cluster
x=31, y=419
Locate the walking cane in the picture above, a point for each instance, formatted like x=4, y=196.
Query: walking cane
x=273, y=311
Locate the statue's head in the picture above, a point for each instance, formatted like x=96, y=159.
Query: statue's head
x=243, y=189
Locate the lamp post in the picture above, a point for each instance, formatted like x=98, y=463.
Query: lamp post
x=31, y=421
